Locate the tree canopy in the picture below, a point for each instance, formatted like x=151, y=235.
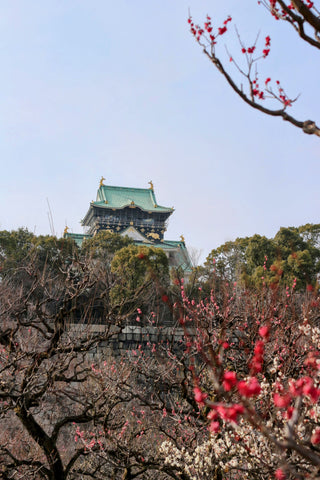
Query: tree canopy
x=292, y=256
x=137, y=271
x=105, y=244
x=19, y=248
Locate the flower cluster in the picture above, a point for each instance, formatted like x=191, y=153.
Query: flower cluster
x=206, y=32
x=266, y=50
x=197, y=464
x=249, y=388
x=249, y=50
x=256, y=92
x=282, y=96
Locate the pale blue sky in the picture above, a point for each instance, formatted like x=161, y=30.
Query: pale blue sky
x=121, y=89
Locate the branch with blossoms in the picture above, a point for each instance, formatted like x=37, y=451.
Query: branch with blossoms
x=261, y=388
x=301, y=15
x=256, y=92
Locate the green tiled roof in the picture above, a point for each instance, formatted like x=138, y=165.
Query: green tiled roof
x=120, y=197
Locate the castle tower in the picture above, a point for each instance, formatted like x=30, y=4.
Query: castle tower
x=136, y=213
x=127, y=211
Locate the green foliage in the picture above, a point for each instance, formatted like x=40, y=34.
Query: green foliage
x=310, y=234
x=293, y=255
x=53, y=251
x=104, y=245
x=19, y=248
x=129, y=273
x=227, y=261
x=138, y=271
x=15, y=245
x=257, y=249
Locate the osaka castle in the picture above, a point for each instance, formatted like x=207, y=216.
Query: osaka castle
x=133, y=212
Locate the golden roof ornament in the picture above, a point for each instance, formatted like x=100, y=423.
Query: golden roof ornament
x=101, y=184
x=66, y=228
x=182, y=238
x=153, y=235
x=151, y=185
